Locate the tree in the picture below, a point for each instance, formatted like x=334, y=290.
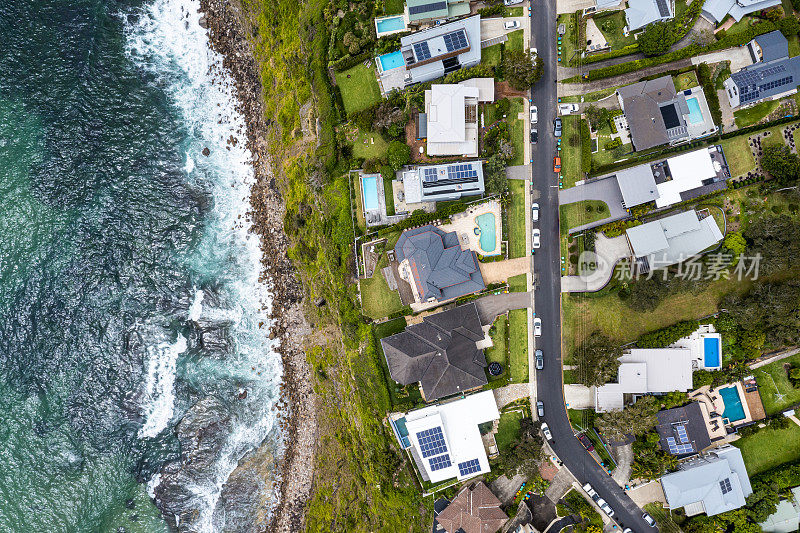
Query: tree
x=597, y=359
x=656, y=39
x=781, y=163
x=636, y=419
x=789, y=26
x=596, y=115
x=776, y=240
x=735, y=243
x=494, y=172
x=649, y=460
x=521, y=70
x=523, y=458
x=399, y=154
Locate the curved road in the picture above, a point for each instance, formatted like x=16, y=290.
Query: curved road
x=547, y=294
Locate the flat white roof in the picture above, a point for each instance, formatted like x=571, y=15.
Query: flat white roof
x=688, y=172
x=446, y=112
x=459, y=421
x=485, y=88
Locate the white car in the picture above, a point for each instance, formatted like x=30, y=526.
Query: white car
x=546, y=432
x=649, y=519
x=567, y=109
x=537, y=238
x=535, y=212
x=534, y=52
x=534, y=114
x=607, y=509
x=537, y=327
x=589, y=490
x=512, y=2
x=511, y=25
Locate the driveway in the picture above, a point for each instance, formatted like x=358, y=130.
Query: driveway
x=578, y=396
x=605, y=190
x=647, y=493
x=489, y=307
x=623, y=455
x=519, y=172
x=493, y=27
x=738, y=56
x=571, y=6
x=577, y=89
x=510, y=393
x=500, y=271
x=505, y=488
x=608, y=252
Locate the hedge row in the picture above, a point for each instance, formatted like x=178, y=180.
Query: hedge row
x=586, y=146
x=710, y=90
x=628, y=50
x=347, y=61
x=661, y=338
x=420, y=217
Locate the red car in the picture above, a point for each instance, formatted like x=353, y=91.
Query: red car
x=586, y=442
x=556, y=164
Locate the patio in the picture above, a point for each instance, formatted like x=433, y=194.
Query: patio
x=464, y=225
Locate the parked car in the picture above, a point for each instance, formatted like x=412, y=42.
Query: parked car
x=589, y=490
x=534, y=136
x=546, y=432
x=607, y=509
x=534, y=52
x=512, y=2
x=627, y=530
x=585, y=441
x=557, y=127
x=535, y=212
x=649, y=519
x=511, y=25
x=598, y=500
x=534, y=114
x=567, y=109
x=556, y=164
x=537, y=238
x=537, y=327
x=539, y=360
x=540, y=408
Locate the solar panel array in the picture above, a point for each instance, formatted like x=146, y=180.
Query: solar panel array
x=456, y=40
x=425, y=8
x=725, y=485
x=683, y=437
x=775, y=83
x=469, y=467
x=461, y=171
x=663, y=10
x=430, y=174
x=422, y=51
x=437, y=463
x=431, y=442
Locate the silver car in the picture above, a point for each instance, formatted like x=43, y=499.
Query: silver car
x=540, y=408
x=546, y=432
x=539, y=360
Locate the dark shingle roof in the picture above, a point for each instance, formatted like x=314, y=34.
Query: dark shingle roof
x=642, y=103
x=691, y=417
x=440, y=353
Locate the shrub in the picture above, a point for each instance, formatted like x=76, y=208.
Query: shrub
x=613, y=143
x=704, y=77
x=492, y=11
x=656, y=38
x=586, y=146
x=399, y=154
x=661, y=338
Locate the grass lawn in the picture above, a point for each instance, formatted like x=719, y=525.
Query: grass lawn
x=515, y=40
x=492, y=55
x=507, y=430
x=377, y=299
x=517, y=130
x=568, y=44
x=577, y=214
x=751, y=115
x=513, y=12
x=499, y=350
x=397, y=393
x=570, y=155
x=773, y=376
x=591, y=97
x=388, y=194
x=663, y=518
x=611, y=27
x=359, y=90
x=517, y=246
x=684, y=81
x=738, y=155
x=769, y=448
x=393, y=6
x=518, y=283
x=518, y=341
x=369, y=145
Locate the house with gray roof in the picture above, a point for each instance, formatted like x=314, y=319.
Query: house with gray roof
x=713, y=483
x=640, y=13
x=437, y=183
x=772, y=75
x=715, y=11
x=440, y=353
x=420, y=11
x=682, y=431
x=786, y=518
x=432, y=262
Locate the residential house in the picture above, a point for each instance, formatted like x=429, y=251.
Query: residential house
x=682, y=430
x=435, y=266
x=640, y=13
x=646, y=371
x=712, y=483
x=672, y=240
x=656, y=114
x=786, y=518
x=451, y=113
x=437, y=183
x=772, y=75
x=440, y=353
x=715, y=11
x=422, y=11
x=432, y=53
x=474, y=510
x=444, y=440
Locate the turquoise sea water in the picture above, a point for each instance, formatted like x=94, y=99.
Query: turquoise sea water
x=128, y=282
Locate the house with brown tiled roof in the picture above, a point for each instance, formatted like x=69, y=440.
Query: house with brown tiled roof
x=474, y=510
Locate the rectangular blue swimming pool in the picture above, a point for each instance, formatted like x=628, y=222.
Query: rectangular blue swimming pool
x=711, y=352
x=695, y=115
x=733, y=404
x=390, y=24
x=391, y=61
x=369, y=184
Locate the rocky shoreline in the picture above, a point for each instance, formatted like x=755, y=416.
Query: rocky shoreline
x=227, y=28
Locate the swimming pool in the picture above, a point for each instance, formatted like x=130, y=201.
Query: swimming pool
x=711, y=352
x=369, y=186
x=486, y=223
x=391, y=61
x=695, y=115
x=390, y=24
x=733, y=404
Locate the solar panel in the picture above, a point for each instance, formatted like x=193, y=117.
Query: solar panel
x=678, y=449
x=430, y=174
x=469, y=467
x=663, y=10
x=422, y=51
x=725, y=485
x=682, y=436
x=431, y=442
x=461, y=171
x=456, y=40
x=425, y=8
x=439, y=462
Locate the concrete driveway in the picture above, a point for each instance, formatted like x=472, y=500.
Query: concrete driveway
x=493, y=27
x=489, y=307
x=608, y=252
x=578, y=396
x=738, y=56
x=500, y=271
x=604, y=189
x=647, y=493
x=519, y=172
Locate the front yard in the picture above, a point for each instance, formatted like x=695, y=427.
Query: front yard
x=359, y=88
x=610, y=24
x=580, y=213
x=517, y=245
x=518, y=134
x=768, y=448
x=518, y=341
x=568, y=45
x=507, y=430
x=492, y=55
x=498, y=353
x=752, y=115
x=773, y=385
x=516, y=40
x=571, y=170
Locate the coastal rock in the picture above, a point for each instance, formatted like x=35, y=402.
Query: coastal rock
x=206, y=151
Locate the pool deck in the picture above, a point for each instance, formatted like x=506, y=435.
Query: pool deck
x=712, y=406
x=464, y=225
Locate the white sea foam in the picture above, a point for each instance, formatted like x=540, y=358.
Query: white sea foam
x=168, y=42
x=159, y=387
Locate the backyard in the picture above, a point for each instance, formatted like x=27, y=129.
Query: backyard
x=369, y=145
x=517, y=246
x=776, y=392
x=738, y=155
x=518, y=341
x=684, y=81
x=359, y=88
x=397, y=393
x=377, y=299
x=768, y=448
x=393, y=6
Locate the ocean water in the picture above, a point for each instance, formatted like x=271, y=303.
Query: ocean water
x=128, y=280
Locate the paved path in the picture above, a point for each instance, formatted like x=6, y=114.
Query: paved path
x=519, y=172
x=623, y=455
x=560, y=485
x=794, y=419
x=510, y=393
x=608, y=252
x=500, y=271
x=505, y=488
x=776, y=357
x=605, y=190
x=728, y=120
x=738, y=56
x=489, y=307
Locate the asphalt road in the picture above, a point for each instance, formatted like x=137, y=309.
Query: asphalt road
x=547, y=292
